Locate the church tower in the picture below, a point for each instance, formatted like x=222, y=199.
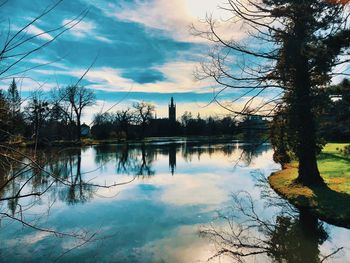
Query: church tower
x=172, y=111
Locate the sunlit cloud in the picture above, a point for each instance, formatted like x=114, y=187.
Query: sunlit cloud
x=174, y=18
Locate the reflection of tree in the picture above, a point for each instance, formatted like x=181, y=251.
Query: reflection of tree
x=191, y=149
x=251, y=151
x=147, y=157
x=297, y=239
x=172, y=157
x=285, y=237
x=133, y=159
x=123, y=160
x=62, y=169
x=26, y=182
x=78, y=190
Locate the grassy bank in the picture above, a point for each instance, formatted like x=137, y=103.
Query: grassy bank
x=330, y=203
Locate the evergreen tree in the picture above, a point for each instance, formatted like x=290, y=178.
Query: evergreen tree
x=4, y=117
x=14, y=98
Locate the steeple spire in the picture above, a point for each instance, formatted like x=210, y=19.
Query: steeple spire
x=172, y=110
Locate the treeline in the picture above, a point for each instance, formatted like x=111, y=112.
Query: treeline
x=41, y=120
x=55, y=116
x=139, y=122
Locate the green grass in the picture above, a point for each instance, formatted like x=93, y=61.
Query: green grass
x=330, y=203
x=335, y=167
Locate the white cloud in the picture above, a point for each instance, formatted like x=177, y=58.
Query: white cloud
x=85, y=29
x=82, y=29
x=34, y=30
x=52, y=63
x=103, y=39
x=178, y=78
x=173, y=17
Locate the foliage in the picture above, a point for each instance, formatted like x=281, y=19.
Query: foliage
x=301, y=43
x=335, y=125
x=280, y=139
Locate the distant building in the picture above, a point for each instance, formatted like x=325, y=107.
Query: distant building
x=84, y=130
x=166, y=126
x=172, y=111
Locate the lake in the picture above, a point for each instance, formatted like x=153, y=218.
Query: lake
x=166, y=194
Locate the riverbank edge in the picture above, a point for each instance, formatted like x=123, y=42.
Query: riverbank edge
x=302, y=197
x=93, y=142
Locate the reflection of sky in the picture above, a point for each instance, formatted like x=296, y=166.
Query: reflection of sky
x=152, y=219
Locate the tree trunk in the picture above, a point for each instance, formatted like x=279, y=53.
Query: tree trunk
x=308, y=173
x=78, y=130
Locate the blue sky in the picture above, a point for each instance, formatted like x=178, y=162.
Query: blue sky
x=144, y=51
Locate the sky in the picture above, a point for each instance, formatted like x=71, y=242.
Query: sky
x=143, y=50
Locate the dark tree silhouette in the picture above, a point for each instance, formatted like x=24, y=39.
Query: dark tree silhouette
x=72, y=100
x=291, y=51
x=37, y=112
x=286, y=236
x=14, y=98
x=144, y=113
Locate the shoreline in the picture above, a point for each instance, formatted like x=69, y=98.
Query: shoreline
x=328, y=203
x=92, y=142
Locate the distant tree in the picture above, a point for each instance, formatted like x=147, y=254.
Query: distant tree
x=14, y=101
x=37, y=112
x=72, y=100
x=103, y=125
x=254, y=129
x=144, y=113
x=124, y=118
x=185, y=118
x=228, y=126
x=14, y=98
x=5, y=117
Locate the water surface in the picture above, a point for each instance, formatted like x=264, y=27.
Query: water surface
x=168, y=191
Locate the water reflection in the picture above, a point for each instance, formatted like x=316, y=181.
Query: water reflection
x=164, y=192
x=172, y=157
x=286, y=235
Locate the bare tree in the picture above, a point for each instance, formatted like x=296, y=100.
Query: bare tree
x=144, y=112
x=72, y=100
x=289, y=55
x=37, y=112
x=16, y=46
x=19, y=170
x=125, y=118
